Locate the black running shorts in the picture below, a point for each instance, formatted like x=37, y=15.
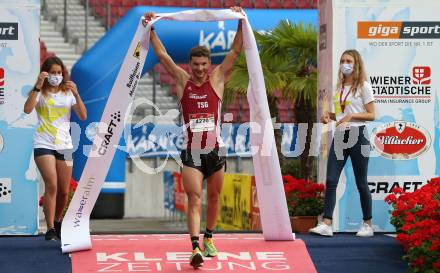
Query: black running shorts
x=64, y=155
x=207, y=164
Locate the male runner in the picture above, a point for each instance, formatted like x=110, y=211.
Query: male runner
x=200, y=97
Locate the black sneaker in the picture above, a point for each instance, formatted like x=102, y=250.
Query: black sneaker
x=57, y=226
x=51, y=235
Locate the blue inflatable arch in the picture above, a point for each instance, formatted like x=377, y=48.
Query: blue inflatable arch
x=97, y=69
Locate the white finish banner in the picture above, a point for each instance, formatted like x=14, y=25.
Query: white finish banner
x=272, y=201
x=75, y=233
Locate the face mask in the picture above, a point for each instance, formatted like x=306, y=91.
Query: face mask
x=346, y=69
x=55, y=80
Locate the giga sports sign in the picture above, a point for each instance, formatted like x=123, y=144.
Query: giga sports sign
x=398, y=30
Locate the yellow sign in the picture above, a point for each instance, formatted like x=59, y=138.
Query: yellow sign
x=137, y=51
x=235, y=202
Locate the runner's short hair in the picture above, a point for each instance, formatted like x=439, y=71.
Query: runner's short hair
x=199, y=51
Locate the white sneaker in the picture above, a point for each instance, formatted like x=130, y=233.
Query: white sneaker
x=365, y=231
x=322, y=229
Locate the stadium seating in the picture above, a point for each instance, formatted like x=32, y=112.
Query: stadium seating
x=118, y=8
x=246, y=4
x=275, y=4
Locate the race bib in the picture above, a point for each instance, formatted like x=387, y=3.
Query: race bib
x=201, y=122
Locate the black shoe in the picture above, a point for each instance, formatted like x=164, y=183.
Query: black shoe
x=51, y=234
x=57, y=226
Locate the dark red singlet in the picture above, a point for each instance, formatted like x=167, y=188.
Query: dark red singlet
x=200, y=107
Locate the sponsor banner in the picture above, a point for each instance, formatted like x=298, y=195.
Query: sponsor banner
x=255, y=210
x=9, y=31
x=398, y=30
x=75, y=229
x=2, y=85
x=238, y=253
x=397, y=39
x=180, y=198
x=400, y=140
x=381, y=186
x=235, y=202
x=168, y=189
x=5, y=190
x=19, y=68
x=161, y=140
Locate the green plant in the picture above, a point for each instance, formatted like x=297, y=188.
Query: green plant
x=288, y=56
x=291, y=167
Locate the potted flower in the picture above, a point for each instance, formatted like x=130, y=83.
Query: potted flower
x=416, y=217
x=305, y=202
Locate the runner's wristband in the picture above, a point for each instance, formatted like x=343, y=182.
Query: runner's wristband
x=36, y=89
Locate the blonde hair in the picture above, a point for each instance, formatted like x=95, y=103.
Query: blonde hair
x=359, y=73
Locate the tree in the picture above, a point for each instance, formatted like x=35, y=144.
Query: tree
x=288, y=56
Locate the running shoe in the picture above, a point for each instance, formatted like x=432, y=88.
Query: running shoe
x=322, y=229
x=57, y=226
x=210, y=250
x=51, y=235
x=365, y=231
x=196, y=258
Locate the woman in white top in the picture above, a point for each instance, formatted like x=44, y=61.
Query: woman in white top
x=53, y=97
x=354, y=106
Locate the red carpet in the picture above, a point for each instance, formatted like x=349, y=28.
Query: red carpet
x=170, y=253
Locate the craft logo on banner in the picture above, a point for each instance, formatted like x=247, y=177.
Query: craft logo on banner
x=381, y=186
x=400, y=140
x=114, y=121
x=415, y=87
x=8, y=31
x=2, y=86
x=398, y=30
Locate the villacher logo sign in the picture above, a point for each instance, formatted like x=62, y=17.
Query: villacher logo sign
x=400, y=140
x=398, y=30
